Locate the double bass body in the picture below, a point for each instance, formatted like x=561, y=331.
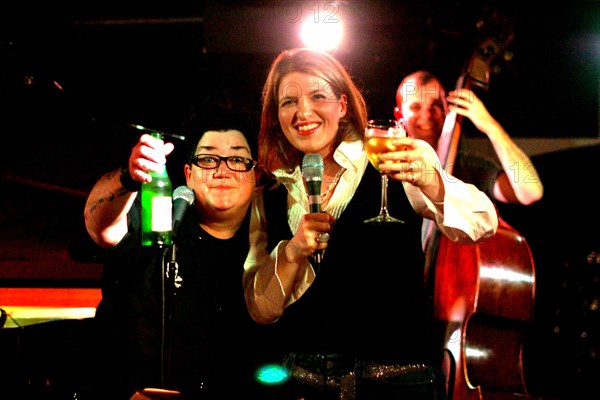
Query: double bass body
x=483, y=297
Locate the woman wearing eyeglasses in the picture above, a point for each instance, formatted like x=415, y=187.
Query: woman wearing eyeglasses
x=210, y=325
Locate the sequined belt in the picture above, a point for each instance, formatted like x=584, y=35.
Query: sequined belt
x=344, y=379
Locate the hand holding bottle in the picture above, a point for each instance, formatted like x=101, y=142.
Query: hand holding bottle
x=106, y=217
x=156, y=197
x=148, y=155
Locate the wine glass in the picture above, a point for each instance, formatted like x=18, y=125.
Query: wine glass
x=379, y=136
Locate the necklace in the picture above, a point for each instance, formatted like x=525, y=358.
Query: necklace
x=333, y=183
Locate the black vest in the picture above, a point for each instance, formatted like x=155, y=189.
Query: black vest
x=368, y=299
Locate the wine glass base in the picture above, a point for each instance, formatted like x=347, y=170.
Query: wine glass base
x=383, y=219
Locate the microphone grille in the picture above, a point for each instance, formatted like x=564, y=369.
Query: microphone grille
x=312, y=166
x=185, y=193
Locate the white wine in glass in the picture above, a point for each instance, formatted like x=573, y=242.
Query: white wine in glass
x=379, y=137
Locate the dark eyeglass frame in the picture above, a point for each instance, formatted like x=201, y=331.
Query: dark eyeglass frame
x=248, y=163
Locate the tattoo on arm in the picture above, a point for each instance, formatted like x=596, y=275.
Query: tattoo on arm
x=111, y=196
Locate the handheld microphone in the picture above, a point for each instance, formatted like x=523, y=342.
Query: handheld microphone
x=183, y=197
x=312, y=171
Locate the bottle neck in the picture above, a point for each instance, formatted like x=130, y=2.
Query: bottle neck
x=161, y=172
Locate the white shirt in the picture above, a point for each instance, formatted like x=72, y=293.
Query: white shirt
x=466, y=215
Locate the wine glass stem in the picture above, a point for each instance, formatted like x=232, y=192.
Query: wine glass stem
x=384, y=193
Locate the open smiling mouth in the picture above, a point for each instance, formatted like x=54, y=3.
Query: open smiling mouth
x=307, y=128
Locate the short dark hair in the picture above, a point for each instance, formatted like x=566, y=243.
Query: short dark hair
x=219, y=113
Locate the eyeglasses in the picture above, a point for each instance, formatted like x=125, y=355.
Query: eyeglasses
x=234, y=163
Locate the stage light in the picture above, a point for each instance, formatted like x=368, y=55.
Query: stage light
x=322, y=34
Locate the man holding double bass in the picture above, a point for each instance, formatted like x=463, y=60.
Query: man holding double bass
x=422, y=100
x=466, y=282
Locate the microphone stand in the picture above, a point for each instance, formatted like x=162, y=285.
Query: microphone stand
x=169, y=286
x=183, y=197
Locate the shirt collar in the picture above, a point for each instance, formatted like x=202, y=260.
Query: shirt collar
x=349, y=155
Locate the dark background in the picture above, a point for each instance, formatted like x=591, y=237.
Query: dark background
x=128, y=62
x=75, y=74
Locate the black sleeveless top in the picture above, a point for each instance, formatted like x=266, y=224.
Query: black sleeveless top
x=368, y=299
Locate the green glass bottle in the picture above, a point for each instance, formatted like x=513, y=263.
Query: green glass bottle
x=157, y=229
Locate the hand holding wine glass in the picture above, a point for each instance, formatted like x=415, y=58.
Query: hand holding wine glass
x=379, y=138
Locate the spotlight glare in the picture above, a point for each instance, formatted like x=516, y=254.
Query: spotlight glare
x=321, y=35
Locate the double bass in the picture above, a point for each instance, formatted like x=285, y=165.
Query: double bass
x=483, y=294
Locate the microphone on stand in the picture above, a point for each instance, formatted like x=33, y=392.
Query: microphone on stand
x=183, y=197
x=312, y=172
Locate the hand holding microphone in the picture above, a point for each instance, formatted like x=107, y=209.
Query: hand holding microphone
x=312, y=171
